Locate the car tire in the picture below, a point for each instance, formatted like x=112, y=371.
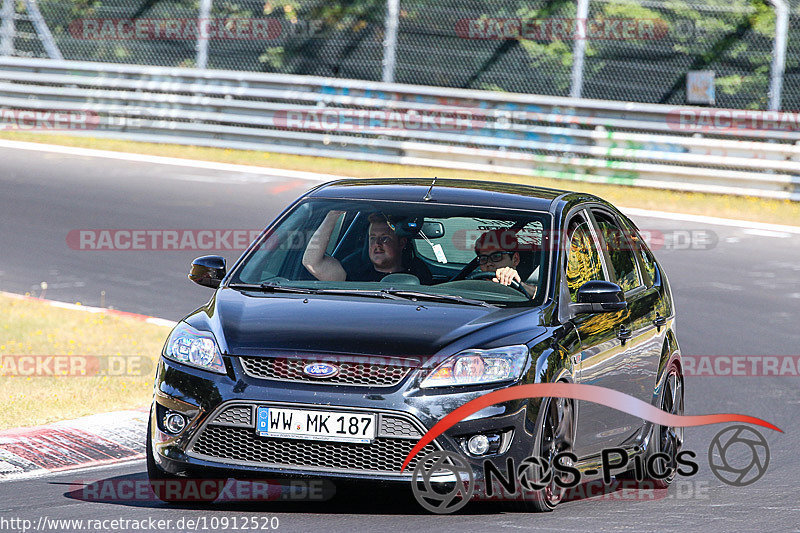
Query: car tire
x=170, y=488
x=556, y=435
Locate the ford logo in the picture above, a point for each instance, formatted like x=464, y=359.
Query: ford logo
x=320, y=370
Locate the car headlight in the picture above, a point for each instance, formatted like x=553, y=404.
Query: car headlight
x=473, y=367
x=193, y=347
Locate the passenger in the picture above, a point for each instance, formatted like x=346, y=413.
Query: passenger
x=498, y=252
x=388, y=254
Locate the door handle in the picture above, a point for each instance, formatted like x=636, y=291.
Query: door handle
x=659, y=322
x=624, y=334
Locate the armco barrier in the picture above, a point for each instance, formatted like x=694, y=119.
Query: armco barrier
x=681, y=148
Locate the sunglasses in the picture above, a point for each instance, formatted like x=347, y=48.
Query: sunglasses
x=382, y=240
x=494, y=257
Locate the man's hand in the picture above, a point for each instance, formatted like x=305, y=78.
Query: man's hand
x=506, y=275
x=322, y=267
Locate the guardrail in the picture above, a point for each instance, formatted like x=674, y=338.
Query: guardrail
x=681, y=148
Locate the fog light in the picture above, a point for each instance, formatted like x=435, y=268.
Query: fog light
x=478, y=444
x=174, y=422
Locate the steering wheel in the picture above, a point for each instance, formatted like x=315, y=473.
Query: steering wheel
x=490, y=275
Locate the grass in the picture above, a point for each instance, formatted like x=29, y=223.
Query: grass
x=31, y=327
x=747, y=208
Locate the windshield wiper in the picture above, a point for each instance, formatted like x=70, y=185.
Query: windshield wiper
x=275, y=287
x=361, y=292
x=271, y=287
x=438, y=297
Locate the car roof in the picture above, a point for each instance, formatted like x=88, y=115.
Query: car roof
x=445, y=191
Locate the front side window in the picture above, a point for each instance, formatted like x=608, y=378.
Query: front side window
x=583, y=258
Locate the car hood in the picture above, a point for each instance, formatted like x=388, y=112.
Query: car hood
x=247, y=323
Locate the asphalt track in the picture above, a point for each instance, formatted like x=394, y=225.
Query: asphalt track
x=740, y=296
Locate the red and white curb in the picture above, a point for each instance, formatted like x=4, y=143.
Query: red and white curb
x=88, y=309
x=90, y=441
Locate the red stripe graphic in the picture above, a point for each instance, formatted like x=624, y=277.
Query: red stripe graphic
x=589, y=393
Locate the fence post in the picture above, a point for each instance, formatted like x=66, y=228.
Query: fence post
x=579, y=48
x=778, y=53
x=201, y=59
x=7, y=28
x=390, y=39
x=42, y=30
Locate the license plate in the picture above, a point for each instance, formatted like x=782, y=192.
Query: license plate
x=315, y=425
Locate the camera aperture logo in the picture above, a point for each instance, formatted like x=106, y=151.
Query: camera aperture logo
x=455, y=491
x=444, y=482
x=738, y=455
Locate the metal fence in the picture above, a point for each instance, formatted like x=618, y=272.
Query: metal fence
x=625, y=50
x=671, y=147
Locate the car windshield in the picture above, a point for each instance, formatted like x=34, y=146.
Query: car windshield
x=424, y=251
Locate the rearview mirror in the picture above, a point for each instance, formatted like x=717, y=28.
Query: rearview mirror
x=433, y=230
x=208, y=270
x=599, y=297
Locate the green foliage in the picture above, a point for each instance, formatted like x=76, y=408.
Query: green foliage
x=273, y=57
x=345, y=38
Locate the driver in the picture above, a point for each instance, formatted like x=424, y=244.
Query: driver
x=386, y=253
x=498, y=252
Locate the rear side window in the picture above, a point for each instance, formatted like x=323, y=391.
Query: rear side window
x=620, y=249
x=648, y=261
x=646, y=258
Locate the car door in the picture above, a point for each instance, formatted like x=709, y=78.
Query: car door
x=638, y=333
x=601, y=358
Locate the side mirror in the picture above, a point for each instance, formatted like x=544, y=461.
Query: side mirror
x=599, y=297
x=208, y=270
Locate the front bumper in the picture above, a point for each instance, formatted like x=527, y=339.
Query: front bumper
x=221, y=441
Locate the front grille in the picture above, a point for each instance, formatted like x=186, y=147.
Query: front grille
x=392, y=426
x=235, y=416
x=382, y=455
x=350, y=373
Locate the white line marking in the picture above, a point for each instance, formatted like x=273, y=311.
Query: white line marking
x=312, y=176
x=174, y=161
x=767, y=233
x=88, y=309
x=161, y=322
x=634, y=211
x=6, y=467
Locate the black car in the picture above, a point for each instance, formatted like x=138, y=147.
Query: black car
x=333, y=344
